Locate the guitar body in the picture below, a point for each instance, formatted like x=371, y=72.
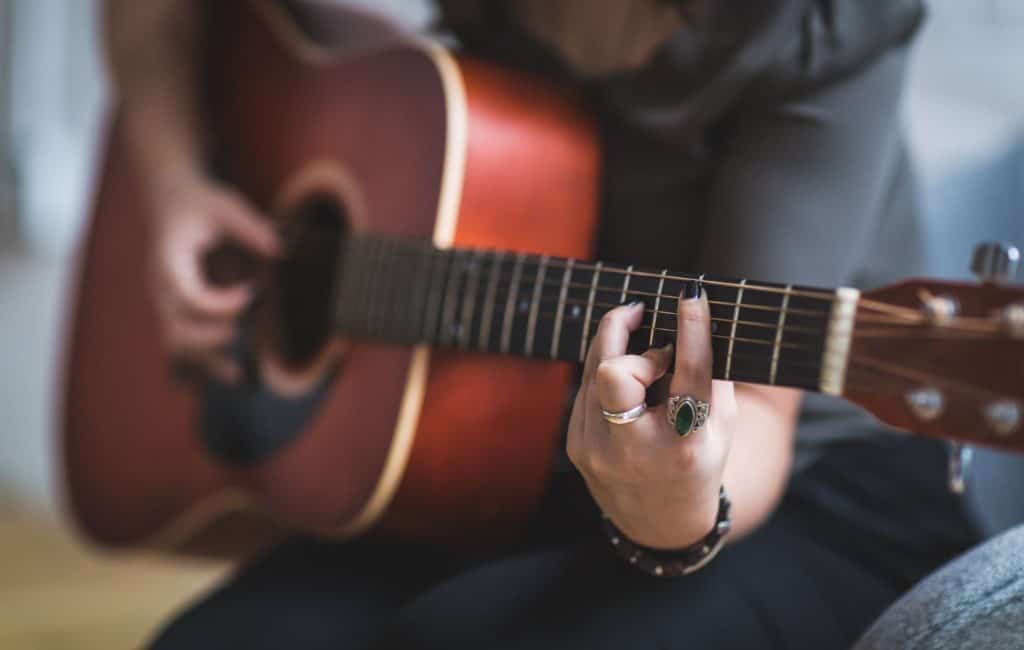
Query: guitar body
x=403, y=140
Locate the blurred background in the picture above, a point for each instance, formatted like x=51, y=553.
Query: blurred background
x=965, y=116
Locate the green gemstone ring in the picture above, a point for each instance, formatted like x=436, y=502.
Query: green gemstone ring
x=686, y=413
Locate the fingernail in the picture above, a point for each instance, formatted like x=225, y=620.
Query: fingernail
x=691, y=290
x=635, y=304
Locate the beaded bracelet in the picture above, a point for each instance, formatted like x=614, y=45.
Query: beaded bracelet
x=675, y=562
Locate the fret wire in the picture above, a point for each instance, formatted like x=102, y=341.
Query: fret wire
x=534, y=304
x=487, y=318
x=815, y=366
x=741, y=339
x=434, y=305
x=345, y=276
x=778, y=336
x=824, y=296
x=807, y=374
x=424, y=267
x=590, y=309
x=385, y=289
x=657, y=306
x=451, y=293
x=395, y=316
x=735, y=320
x=469, y=298
x=717, y=319
x=373, y=292
x=791, y=367
x=625, y=283
x=804, y=293
x=705, y=281
x=649, y=294
x=363, y=289
x=556, y=334
x=506, y=326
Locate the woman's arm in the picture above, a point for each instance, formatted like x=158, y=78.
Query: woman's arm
x=152, y=46
x=151, y=49
x=796, y=200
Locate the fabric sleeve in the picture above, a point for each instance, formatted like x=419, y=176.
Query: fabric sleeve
x=803, y=185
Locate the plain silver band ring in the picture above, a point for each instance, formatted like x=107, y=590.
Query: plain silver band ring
x=627, y=416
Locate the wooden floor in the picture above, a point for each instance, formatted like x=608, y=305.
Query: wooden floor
x=57, y=594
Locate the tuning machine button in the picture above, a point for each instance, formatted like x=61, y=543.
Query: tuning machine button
x=1003, y=416
x=1012, y=318
x=926, y=403
x=941, y=309
x=995, y=262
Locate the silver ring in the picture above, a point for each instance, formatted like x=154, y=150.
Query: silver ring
x=686, y=413
x=625, y=417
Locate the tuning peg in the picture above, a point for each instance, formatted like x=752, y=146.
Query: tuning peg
x=960, y=457
x=995, y=262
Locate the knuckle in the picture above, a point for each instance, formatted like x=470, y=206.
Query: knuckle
x=608, y=373
x=595, y=463
x=633, y=463
x=684, y=457
x=695, y=316
x=687, y=367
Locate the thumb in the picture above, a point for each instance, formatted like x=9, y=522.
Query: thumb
x=244, y=223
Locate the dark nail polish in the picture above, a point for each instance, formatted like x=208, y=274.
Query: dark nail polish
x=634, y=304
x=691, y=290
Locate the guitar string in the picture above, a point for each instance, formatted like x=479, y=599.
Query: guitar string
x=906, y=313
x=983, y=326
x=922, y=378
x=561, y=263
x=854, y=374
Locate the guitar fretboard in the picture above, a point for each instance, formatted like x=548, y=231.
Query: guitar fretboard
x=548, y=307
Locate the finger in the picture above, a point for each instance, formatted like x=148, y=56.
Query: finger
x=622, y=382
x=189, y=287
x=221, y=367
x=693, y=344
x=211, y=364
x=242, y=222
x=190, y=336
x=612, y=336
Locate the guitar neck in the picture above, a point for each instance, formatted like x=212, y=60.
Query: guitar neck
x=549, y=308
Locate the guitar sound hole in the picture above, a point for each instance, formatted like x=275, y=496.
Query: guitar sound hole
x=305, y=284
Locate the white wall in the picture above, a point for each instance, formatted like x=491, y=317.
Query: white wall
x=7, y=185
x=57, y=91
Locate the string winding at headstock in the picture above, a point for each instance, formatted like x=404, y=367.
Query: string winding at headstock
x=945, y=359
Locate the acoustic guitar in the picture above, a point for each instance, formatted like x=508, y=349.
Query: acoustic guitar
x=410, y=362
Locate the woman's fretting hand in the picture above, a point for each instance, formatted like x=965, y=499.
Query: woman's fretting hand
x=659, y=488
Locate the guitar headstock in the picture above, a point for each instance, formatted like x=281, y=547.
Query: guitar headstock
x=945, y=359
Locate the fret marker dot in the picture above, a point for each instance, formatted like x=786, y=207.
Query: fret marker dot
x=714, y=326
x=524, y=306
x=574, y=313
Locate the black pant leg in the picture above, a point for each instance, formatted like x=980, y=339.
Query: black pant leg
x=306, y=595
x=852, y=534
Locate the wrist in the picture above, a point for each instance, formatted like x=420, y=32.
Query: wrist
x=664, y=523
x=676, y=561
